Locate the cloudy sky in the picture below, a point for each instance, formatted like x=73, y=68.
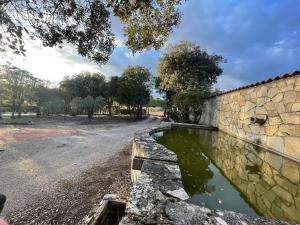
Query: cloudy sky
x=259, y=38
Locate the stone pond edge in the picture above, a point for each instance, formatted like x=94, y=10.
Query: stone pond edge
x=158, y=196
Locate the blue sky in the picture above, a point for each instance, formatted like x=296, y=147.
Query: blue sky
x=259, y=38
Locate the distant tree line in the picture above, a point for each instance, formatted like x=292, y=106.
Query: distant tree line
x=84, y=93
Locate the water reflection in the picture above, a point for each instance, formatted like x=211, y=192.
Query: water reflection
x=220, y=171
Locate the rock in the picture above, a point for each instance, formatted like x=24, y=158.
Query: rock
x=274, y=120
x=290, y=118
x=296, y=107
x=272, y=92
x=290, y=171
x=292, y=146
x=180, y=194
x=283, y=194
x=289, y=97
x=290, y=130
x=276, y=143
x=277, y=98
x=274, y=160
x=271, y=130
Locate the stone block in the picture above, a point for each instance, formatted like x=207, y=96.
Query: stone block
x=276, y=143
x=249, y=105
x=292, y=212
x=290, y=81
x=261, y=111
x=290, y=118
x=283, y=194
x=290, y=170
x=262, y=92
x=270, y=106
x=266, y=169
x=277, y=98
x=274, y=160
x=271, y=130
x=276, y=120
x=286, y=184
x=280, y=107
x=289, y=97
x=272, y=92
x=297, y=202
x=292, y=146
x=296, y=107
x=290, y=130
x=287, y=88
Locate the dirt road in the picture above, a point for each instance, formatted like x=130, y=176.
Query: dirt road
x=51, y=169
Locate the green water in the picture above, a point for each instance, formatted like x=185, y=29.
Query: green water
x=222, y=172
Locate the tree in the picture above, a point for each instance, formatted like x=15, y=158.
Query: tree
x=83, y=85
x=86, y=24
x=54, y=107
x=110, y=92
x=147, y=23
x=42, y=94
x=157, y=102
x=91, y=105
x=186, y=73
x=20, y=86
x=135, y=88
x=76, y=106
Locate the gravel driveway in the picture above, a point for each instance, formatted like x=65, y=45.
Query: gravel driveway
x=35, y=167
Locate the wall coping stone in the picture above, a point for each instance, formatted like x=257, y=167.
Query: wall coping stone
x=157, y=194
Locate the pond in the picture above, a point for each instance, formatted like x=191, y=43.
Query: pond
x=223, y=172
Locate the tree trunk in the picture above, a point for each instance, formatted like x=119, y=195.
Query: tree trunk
x=13, y=108
x=109, y=110
x=19, y=110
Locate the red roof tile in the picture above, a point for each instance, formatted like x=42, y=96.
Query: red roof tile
x=297, y=72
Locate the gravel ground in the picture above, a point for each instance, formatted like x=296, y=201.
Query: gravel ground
x=59, y=178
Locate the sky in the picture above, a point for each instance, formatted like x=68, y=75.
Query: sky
x=258, y=38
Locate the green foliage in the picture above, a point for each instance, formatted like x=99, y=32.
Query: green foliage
x=157, y=102
x=134, y=88
x=83, y=85
x=43, y=94
x=86, y=24
x=76, y=106
x=186, y=74
x=19, y=86
x=147, y=23
x=90, y=105
x=54, y=107
x=110, y=92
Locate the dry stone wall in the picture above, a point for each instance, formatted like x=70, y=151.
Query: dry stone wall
x=269, y=182
x=277, y=102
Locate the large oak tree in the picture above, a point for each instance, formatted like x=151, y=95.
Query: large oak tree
x=86, y=24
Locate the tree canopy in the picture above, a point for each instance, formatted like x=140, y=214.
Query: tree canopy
x=19, y=86
x=84, y=93
x=134, y=88
x=186, y=74
x=86, y=24
x=83, y=85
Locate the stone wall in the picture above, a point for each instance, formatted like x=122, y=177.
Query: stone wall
x=277, y=101
x=158, y=197
x=269, y=182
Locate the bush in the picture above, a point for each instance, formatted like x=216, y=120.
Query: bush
x=54, y=107
x=76, y=106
